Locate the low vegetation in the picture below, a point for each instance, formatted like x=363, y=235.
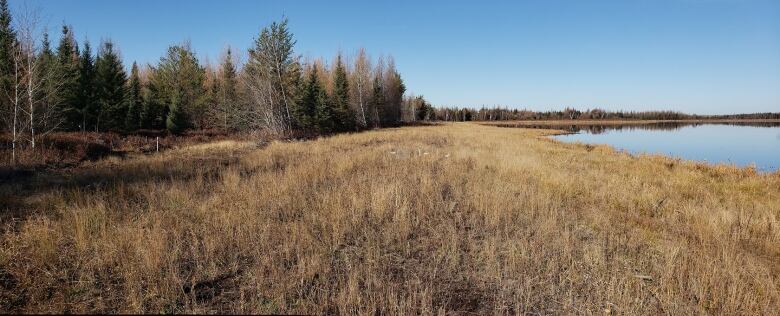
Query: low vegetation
x=456, y=218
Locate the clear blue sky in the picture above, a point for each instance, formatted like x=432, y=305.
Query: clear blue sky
x=700, y=56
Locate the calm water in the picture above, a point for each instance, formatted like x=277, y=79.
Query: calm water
x=739, y=144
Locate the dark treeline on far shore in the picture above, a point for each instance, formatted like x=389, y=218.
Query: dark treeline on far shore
x=505, y=114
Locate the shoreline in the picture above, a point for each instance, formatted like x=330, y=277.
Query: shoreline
x=620, y=122
x=552, y=131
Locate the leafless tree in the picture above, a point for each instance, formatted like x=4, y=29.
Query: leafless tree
x=361, y=80
x=39, y=79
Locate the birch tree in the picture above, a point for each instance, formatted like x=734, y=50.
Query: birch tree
x=361, y=80
x=270, y=76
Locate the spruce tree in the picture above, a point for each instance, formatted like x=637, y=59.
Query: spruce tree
x=134, y=101
x=324, y=114
x=226, y=89
x=48, y=64
x=110, y=81
x=7, y=40
x=306, y=111
x=68, y=74
x=84, y=99
x=344, y=118
x=152, y=114
x=378, y=100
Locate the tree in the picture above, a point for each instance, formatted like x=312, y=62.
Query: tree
x=179, y=76
x=423, y=110
x=68, y=72
x=270, y=78
x=134, y=101
x=176, y=121
x=7, y=42
x=110, y=81
x=51, y=114
x=226, y=91
x=306, y=113
x=84, y=101
x=394, y=90
x=324, y=115
x=377, y=99
x=343, y=114
x=153, y=113
x=361, y=81
x=38, y=77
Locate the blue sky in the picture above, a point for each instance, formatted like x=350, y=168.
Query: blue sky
x=699, y=56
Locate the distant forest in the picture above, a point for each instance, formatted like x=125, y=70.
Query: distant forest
x=505, y=114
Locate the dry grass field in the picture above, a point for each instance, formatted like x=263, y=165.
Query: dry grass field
x=460, y=218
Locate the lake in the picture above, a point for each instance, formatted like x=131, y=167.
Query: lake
x=741, y=144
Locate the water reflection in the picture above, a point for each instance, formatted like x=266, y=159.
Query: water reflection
x=658, y=126
x=736, y=143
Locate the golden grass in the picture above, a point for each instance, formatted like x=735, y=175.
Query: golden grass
x=455, y=218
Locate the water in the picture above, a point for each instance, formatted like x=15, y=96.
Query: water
x=741, y=144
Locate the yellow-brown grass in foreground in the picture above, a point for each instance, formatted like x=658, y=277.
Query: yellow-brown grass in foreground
x=454, y=218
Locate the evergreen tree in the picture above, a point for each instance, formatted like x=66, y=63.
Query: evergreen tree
x=152, y=112
x=271, y=66
x=179, y=74
x=343, y=115
x=84, y=99
x=68, y=74
x=48, y=64
x=226, y=89
x=306, y=112
x=378, y=99
x=110, y=81
x=324, y=115
x=176, y=121
x=134, y=101
x=7, y=42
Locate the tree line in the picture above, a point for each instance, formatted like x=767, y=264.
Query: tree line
x=75, y=87
x=506, y=114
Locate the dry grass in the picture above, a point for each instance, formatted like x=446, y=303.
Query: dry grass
x=457, y=218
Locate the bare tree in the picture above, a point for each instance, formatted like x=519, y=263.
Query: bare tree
x=361, y=78
x=14, y=96
x=39, y=79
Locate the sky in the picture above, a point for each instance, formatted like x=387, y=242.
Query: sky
x=695, y=56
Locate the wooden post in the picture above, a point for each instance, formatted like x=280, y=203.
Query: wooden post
x=157, y=143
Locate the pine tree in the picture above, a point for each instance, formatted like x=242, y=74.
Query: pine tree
x=179, y=74
x=134, y=101
x=175, y=122
x=343, y=114
x=84, y=100
x=271, y=66
x=110, y=81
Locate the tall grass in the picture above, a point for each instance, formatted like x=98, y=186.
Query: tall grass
x=456, y=218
